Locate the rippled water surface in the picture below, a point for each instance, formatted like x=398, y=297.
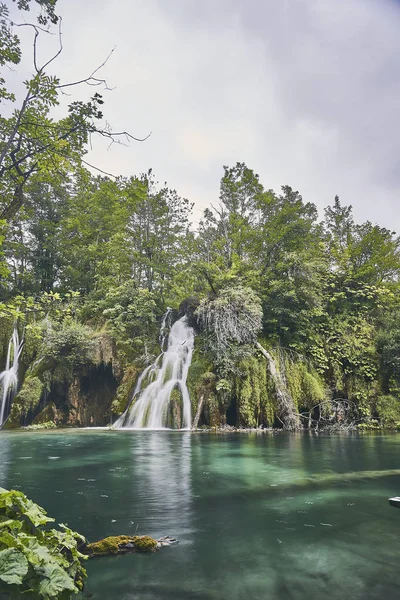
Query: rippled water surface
x=257, y=516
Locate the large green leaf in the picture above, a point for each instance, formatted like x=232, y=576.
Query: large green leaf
x=13, y=566
x=11, y=524
x=7, y=540
x=36, y=514
x=55, y=581
x=16, y=503
x=36, y=553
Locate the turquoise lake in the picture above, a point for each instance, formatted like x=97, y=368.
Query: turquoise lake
x=258, y=516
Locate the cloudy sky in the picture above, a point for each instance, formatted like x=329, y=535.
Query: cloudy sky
x=306, y=92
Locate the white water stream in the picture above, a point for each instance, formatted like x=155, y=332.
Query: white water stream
x=150, y=404
x=9, y=377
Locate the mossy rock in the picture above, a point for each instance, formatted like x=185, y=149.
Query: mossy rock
x=120, y=544
x=201, y=382
x=175, y=410
x=28, y=397
x=144, y=543
x=125, y=390
x=108, y=545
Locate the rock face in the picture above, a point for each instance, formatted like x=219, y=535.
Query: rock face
x=123, y=544
x=84, y=402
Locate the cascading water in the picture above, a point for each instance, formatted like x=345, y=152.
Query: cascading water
x=150, y=407
x=9, y=377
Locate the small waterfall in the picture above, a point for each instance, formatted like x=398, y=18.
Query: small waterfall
x=9, y=377
x=151, y=404
x=165, y=324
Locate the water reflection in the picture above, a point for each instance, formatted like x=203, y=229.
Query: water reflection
x=4, y=462
x=161, y=469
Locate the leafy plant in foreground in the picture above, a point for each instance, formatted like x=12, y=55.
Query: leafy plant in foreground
x=34, y=560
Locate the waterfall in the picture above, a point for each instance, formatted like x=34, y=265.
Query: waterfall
x=9, y=377
x=151, y=406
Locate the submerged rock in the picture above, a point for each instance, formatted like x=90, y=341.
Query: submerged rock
x=123, y=544
x=166, y=540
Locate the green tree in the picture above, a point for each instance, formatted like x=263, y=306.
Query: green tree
x=31, y=140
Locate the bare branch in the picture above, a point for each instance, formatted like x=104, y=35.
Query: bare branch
x=112, y=134
x=36, y=27
x=97, y=169
x=91, y=79
x=35, y=51
x=60, y=47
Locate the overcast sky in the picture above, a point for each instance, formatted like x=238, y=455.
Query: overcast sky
x=306, y=92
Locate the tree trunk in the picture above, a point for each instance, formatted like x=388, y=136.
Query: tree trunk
x=287, y=412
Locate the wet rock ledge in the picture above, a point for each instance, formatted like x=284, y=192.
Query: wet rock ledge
x=125, y=544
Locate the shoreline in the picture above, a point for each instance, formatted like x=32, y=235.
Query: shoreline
x=205, y=430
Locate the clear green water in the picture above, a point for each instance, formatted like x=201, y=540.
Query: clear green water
x=257, y=516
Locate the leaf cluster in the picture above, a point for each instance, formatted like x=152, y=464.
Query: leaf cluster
x=37, y=561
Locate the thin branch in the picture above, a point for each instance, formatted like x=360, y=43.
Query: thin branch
x=97, y=169
x=91, y=80
x=112, y=134
x=36, y=27
x=60, y=48
x=35, y=51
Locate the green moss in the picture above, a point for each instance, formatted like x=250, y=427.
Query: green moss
x=176, y=395
x=108, y=545
x=168, y=373
x=388, y=410
x=313, y=388
x=304, y=383
x=200, y=380
x=111, y=545
x=144, y=543
x=253, y=397
x=294, y=375
x=31, y=392
x=28, y=397
x=45, y=425
x=201, y=363
x=214, y=417
x=125, y=390
x=174, y=417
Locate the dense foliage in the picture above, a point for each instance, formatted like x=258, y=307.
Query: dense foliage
x=34, y=560
x=104, y=258
x=91, y=263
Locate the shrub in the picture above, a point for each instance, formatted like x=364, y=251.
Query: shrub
x=232, y=316
x=36, y=561
x=231, y=322
x=45, y=425
x=388, y=409
x=68, y=349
